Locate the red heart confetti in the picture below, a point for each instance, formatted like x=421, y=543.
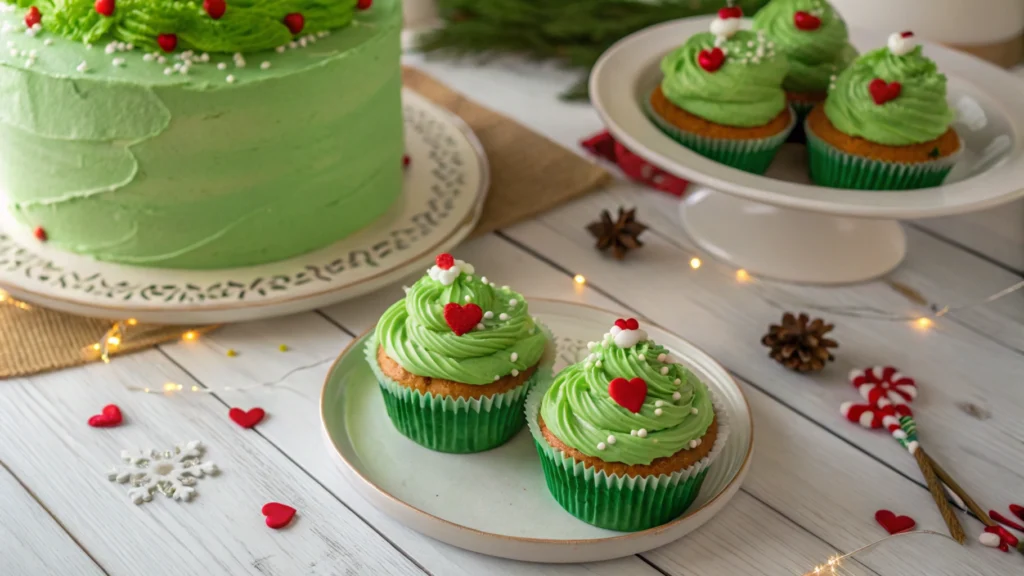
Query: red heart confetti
x=806, y=21
x=167, y=42
x=730, y=12
x=711, y=60
x=215, y=8
x=295, y=22
x=109, y=417
x=892, y=523
x=32, y=17
x=278, y=515
x=629, y=394
x=364, y=4
x=462, y=319
x=104, y=7
x=1004, y=520
x=882, y=91
x=40, y=234
x=246, y=419
x=444, y=261
x=1017, y=510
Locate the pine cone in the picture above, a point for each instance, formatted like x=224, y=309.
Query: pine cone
x=620, y=235
x=800, y=343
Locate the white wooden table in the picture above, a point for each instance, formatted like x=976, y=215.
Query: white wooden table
x=815, y=483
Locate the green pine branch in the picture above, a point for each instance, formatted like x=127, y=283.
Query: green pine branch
x=572, y=32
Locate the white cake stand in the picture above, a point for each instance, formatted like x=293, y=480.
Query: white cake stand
x=780, y=225
x=443, y=195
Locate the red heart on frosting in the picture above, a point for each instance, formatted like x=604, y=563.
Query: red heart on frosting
x=883, y=91
x=110, y=416
x=246, y=419
x=730, y=12
x=627, y=324
x=462, y=319
x=892, y=523
x=167, y=42
x=278, y=515
x=629, y=394
x=711, y=60
x=806, y=21
x=444, y=261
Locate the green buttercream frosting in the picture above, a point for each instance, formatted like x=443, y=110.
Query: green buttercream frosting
x=746, y=91
x=919, y=114
x=414, y=333
x=814, y=55
x=579, y=411
x=245, y=26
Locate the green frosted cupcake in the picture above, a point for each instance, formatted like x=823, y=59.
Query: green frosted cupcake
x=722, y=97
x=813, y=38
x=456, y=358
x=886, y=124
x=626, y=436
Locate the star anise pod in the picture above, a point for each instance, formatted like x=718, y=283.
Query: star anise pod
x=620, y=235
x=799, y=343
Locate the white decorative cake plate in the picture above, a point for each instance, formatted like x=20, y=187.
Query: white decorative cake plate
x=496, y=502
x=445, y=186
x=765, y=223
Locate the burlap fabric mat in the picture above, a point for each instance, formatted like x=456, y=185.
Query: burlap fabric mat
x=529, y=175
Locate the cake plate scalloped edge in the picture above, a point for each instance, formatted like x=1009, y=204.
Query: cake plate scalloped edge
x=464, y=525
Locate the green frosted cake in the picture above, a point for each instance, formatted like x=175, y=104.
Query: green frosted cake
x=198, y=133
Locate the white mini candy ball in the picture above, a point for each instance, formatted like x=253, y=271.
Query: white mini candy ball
x=726, y=27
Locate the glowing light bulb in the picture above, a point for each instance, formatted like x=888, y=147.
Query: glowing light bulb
x=96, y=346
x=694, y=263
x=190, y=335
x=131, y=322
x=113, y=341
x=579, y=279
x=923, y=323
x=195, y=388
x=742, y=275
x=170, y=387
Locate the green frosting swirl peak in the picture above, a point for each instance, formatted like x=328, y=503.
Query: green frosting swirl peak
x=919, y=114
x=814, y=55
x=245, y=26
x=414, y=333
x=578, y=410
x=746, y=91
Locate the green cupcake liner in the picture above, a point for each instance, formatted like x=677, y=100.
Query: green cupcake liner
x=623, y=503
x=832, y=167
x=753, y=156
x=456, y=425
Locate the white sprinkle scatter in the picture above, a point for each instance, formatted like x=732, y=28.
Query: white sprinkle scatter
x=177, y=65
x=694, y=411
x=303, y=42
x=168, y=71
x=512, y=303
x=642, y=432
x=515, y=372
x=280, y=49
x=129, y=46
x=29, y=62
x=677, y=382
x=491, y=284
x=700, y=441
x=230, y=79
x=88, y=46
x=676, y=395
x=469, y=277
x=514, y=356
x=110, y=49
x=601, y=446
x=48, y=42
x=598, y=363
x=147, y=57
x=632, y=432
x=611, y=439
x=591, y=345
x=488, y=314
x=240, y=63
x=265, y=65
x=659, y=403
x=161, y=59
x=505, y=288
x=293, y=45
x=664, y=370
x=496, y=378
x=222, y=66
x=662, y=357
x=467, y=298
x=117, y=61
x=502, y=316
x=750, y=44
x=587, y=366
x=770, y=44
x=82, y=67
x=480, y=326
x=693, y=443
x=483, y=279
x=658, y=411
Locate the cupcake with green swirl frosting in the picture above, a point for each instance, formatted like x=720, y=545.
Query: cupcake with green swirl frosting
x=813, y=37
x=627, y=435
x=456, y=358
x=886, y=124
x=722, y=97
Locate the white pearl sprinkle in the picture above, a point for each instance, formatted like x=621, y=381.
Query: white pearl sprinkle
x=694, y=410
x=611, y=439
x=303, y=42
x=177, y=65
x=659, y=403
x=693, y=443
x=469, y=277
x=88, y=46
x=598, y=363
x=265, y=65
x=632, y=432
x=505, y=288
x=750, y=44
x=512, y=303
x=491, y=284
x=467, y=298
x=514, y=356
x=480, y=326
x=129, y=46
x=161, y=59
x=676, y=395
x=239, y=63
x=755, y=59
x=664, y=370
x=488, y=314
x=770, y=44
x=117, y=61
x=230, y=79
x=293, y=44
x=48, y=42
x=657, y=411
x=591, y=345
x=587, y=366
x=502, y=316
x=110, y=49
x=677, y=382
x=662, y=357
x=601, y=446
x=82, y=67
x=29, y=62
x=642, y=432
x=168, y=71
x=515, y=372
x=641, y=357
x=280, y=49
x=496, y=378
x=147, y=57
x=483, y=279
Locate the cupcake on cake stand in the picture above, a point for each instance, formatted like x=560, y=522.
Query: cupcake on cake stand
x=780, y=224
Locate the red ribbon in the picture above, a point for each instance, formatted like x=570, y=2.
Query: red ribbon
x=636, y=168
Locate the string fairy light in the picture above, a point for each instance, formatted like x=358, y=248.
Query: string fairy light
x=832, y=565
x=6, y=298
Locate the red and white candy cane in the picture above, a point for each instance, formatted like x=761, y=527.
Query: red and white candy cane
x=870, y=416
x=884, y=382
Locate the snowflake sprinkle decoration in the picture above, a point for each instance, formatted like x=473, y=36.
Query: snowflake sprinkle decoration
x=173, y=472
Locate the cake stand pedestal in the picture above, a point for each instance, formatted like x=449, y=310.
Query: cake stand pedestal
x=791, y=245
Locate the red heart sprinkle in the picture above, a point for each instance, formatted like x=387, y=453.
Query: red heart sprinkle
x=906, y=34
x=711, y=60
x=215, y=8
x=32, y=17
x=295, y=22
x=730, y=12
x=1018, y=510
x=462, y=319
x=246, y=419
x=405, y=160
x=806, y=21
x=444, y=261
x=882, y=92
x=40, y=234
x=632, y=324
x=892, y=523
x=110, y=416
x=621, y=323
x=167, y=42
x=104, y=7
x=278, y=515
x=629, y=394
x=364, y=4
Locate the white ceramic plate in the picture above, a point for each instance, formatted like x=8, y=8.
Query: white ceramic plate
x=988, y=101
x=496, y=502
x=445, y=187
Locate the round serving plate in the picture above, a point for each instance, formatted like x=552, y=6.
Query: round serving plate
x=496, y=502
x=761, y=223
x=445, y=186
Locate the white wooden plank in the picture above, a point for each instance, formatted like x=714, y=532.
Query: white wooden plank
x=31, y=541
x=48, y=445
x=998, y=233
